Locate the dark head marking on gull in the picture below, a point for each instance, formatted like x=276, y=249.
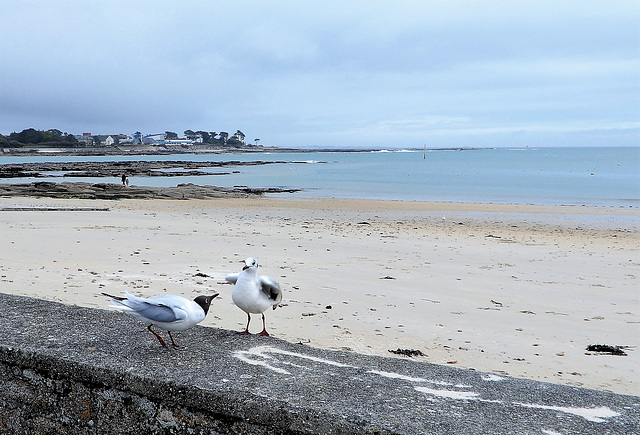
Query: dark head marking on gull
x=168, y=312
x=254, y=294
x=205, y=302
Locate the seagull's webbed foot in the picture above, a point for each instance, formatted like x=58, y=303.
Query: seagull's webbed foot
x=264, y=327
x=173, y=343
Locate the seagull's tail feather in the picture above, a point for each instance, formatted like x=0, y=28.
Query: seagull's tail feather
x=119, y=302
x=117, y=298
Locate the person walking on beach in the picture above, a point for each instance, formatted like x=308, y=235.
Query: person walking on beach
x=125, y=180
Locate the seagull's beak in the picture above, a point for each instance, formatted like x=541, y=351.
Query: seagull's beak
x=245, y=267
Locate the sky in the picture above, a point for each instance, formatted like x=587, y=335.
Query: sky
x=329, y=74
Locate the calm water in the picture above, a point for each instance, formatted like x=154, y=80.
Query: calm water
x=570, y=176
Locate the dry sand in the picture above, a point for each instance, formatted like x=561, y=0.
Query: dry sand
x=515, y=290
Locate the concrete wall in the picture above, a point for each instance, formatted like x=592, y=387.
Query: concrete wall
x=73, y=370
x=45, y=400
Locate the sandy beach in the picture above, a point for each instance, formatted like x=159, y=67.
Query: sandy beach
x=509, y=289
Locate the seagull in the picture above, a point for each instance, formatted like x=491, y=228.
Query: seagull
x=168, y=312
x=253, y=294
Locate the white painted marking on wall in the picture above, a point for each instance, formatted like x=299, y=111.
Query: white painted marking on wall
x=597, y=415
x=492, y=378
x=449, y=394
x=407, y=378
x=261, y=356
x=248, y=357
x=268, y=349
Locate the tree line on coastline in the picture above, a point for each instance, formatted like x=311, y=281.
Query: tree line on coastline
x=212, y=137
x=31, y=136
x=56, y=138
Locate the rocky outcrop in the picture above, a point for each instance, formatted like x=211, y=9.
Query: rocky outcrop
x=116, y=191
x=115, y=170
x=130, y=168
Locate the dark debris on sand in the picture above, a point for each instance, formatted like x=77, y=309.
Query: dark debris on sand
x=607, y=349
x=407, y=352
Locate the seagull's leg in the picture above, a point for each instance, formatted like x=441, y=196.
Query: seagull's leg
x=246, y=330
x=175, y=345
x=264, y=327
x=157, y=336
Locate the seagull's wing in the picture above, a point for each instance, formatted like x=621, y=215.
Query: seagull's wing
x=159, y=309
x=272, y=289
x=232, y=278
x=158, y=312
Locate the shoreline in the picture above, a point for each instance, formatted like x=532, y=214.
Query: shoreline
x=106, y=190
x=164, y=150
x=160, y=174
x=518, y=290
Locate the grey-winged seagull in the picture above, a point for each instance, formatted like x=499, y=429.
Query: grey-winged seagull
x=168, y=312
x=254, y=294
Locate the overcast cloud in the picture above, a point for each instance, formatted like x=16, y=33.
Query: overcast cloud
x=327, y=73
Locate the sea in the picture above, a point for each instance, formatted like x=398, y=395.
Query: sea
x=606, y=176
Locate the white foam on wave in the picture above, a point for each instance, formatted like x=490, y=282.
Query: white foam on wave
x=396, y=151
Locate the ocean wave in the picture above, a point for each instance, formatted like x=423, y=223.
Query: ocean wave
x=396, y=151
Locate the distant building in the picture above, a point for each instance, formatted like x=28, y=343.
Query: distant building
x=148, y=140
x=115, y=139
x=87, y=139
x=84, y=138
x=178, y=141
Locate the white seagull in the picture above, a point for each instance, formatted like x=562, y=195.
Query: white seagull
x=254, y=294
x=168, y=312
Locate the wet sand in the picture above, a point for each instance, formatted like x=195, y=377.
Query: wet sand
x=509, y=289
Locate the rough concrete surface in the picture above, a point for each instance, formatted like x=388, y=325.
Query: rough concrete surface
x=68, y=369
